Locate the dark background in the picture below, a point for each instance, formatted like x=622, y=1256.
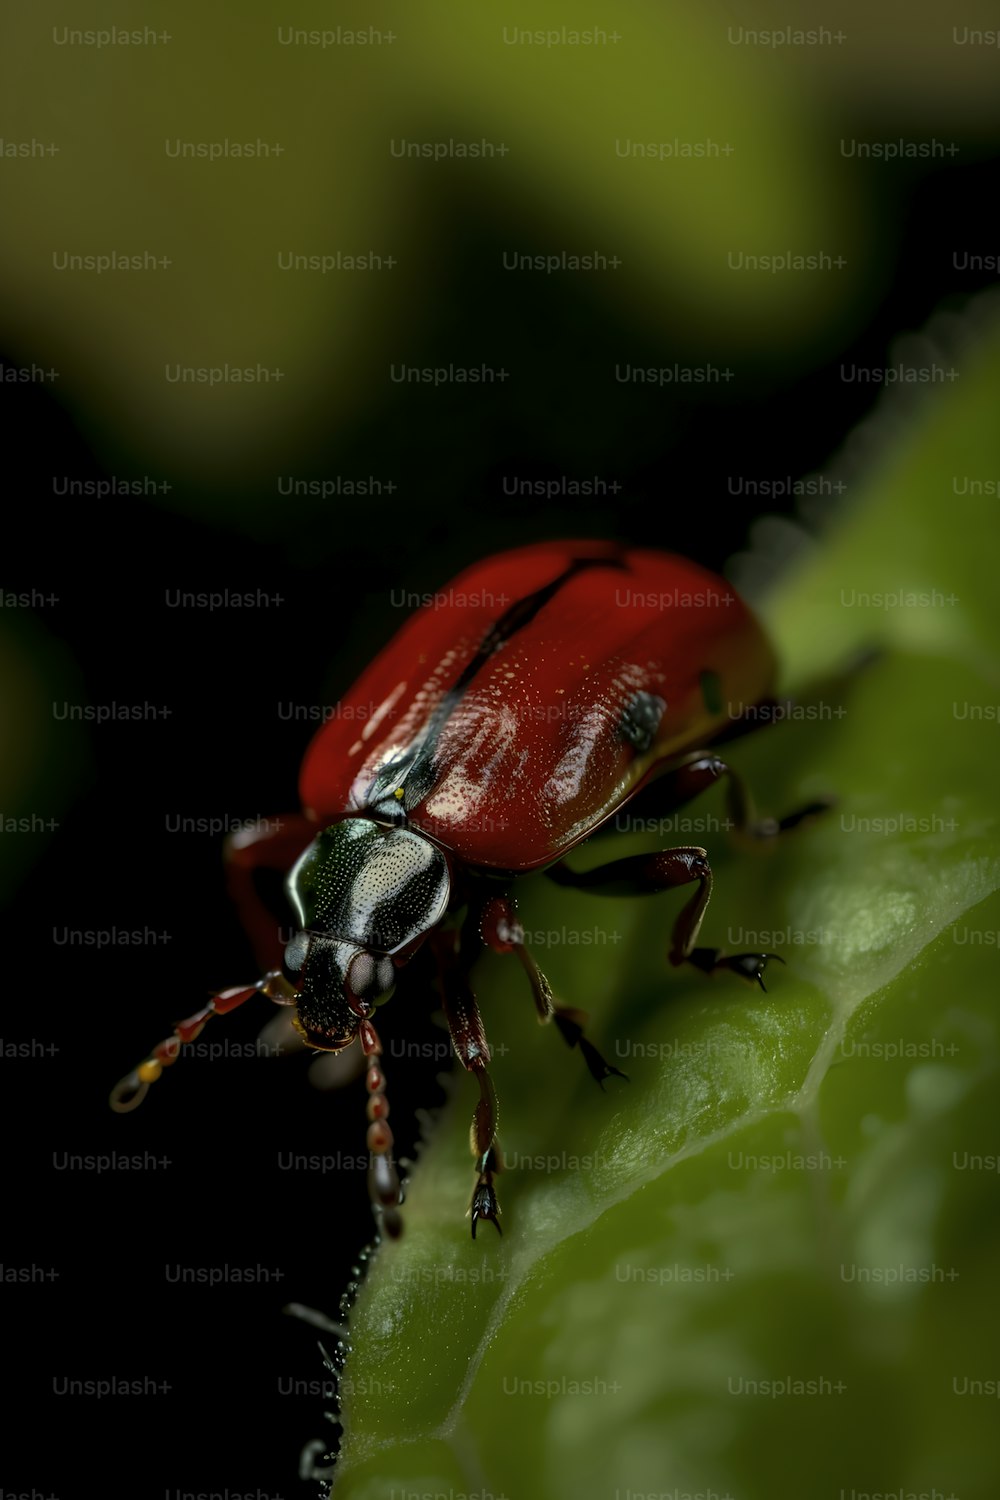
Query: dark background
x=224, y=751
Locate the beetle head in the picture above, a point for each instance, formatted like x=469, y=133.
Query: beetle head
x=362, y=893
x=338, y=986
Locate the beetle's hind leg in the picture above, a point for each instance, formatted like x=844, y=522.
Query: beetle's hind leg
x=695, y=774
x=646, y=874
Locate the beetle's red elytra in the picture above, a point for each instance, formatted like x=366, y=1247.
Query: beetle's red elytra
x=509, y=719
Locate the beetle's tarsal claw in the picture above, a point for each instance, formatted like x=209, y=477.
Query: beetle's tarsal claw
x=751, y=966
x=599, y=1066
x=748, y=966
x=484, y=1205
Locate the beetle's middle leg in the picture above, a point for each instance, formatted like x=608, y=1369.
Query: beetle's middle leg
x=500, y=929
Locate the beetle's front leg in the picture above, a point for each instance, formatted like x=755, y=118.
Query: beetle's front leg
x=456, y=951
x=275, y=845
x=644, y=875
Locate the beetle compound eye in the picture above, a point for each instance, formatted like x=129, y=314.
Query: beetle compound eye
x=295, y=953
x=371, y=979
x=361, y=976
x=385, y=975
x=385, y=980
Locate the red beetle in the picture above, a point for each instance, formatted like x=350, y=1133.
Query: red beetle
x=508, y=720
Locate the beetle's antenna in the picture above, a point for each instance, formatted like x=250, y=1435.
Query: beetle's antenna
x=129, y=1092
x=384, y=1187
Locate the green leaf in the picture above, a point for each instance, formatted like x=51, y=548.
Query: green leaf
x=797, y=1187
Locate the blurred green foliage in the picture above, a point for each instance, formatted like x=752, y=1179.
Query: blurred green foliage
x=568, y=117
